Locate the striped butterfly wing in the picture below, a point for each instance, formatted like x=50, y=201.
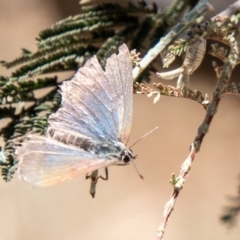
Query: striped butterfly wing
x=44, y=161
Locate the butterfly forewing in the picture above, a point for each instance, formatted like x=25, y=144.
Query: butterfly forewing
x=93, y=102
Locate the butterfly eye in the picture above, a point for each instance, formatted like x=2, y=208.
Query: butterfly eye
x=126, y=159
x=126, y=156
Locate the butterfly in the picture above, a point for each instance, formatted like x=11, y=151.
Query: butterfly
x=91, y=128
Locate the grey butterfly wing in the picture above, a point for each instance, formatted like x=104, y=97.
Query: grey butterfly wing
x=97, y=104
x=44, y=161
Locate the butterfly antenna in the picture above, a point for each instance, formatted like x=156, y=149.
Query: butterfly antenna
x=139, y=174
x=144, y=137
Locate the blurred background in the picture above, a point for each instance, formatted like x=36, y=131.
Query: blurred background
x=126, y=207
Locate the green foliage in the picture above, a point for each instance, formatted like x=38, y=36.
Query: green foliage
x=17, y=91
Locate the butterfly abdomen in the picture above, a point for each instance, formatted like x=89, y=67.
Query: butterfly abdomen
x=101, y=149
x=66, y=138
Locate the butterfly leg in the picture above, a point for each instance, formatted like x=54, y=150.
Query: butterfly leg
x=94, y=179
x=106, y=175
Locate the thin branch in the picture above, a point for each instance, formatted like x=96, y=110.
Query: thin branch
x=171, y=91
x=202, y=131
x=178, y=182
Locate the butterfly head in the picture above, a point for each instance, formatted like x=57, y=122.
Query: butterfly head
x=126, y=156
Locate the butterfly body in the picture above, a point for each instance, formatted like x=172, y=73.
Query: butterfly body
x=101, y=149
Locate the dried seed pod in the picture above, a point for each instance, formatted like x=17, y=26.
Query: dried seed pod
x=195, y=54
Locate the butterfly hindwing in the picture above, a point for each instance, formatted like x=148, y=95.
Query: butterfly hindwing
x=45, y=162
